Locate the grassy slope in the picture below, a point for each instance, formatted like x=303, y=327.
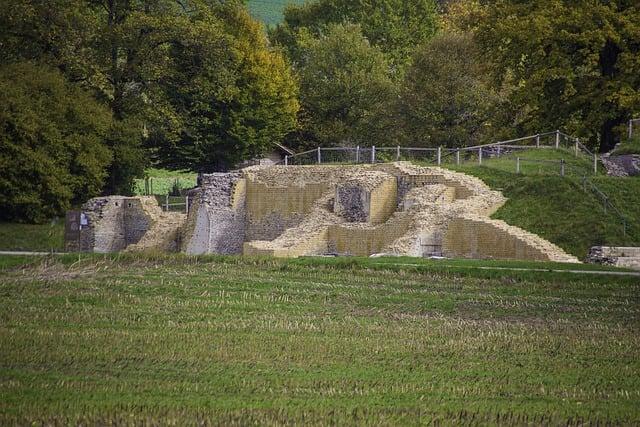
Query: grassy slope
x=30, y=237
x=557, y=208
x=164, y=180
x=270, y=11
x=241, y=341
x=631, y=146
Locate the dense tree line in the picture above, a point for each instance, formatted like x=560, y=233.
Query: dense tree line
x=464, y=71
x=189, y=84
x=97, y=90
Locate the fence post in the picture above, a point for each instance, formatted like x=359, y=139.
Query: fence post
x=630, y=128
x=561, y=167
x=358, y=154
x=166, y=202
x=186, y=205
x=538, y=141
x=577, y=146
x=439, y=155
x=557, y=139
x=595, y=164
x=480, y=156
x=319, y=156
x=373, y=154
x=458, y=156
x=518, y=165
x=286, y=160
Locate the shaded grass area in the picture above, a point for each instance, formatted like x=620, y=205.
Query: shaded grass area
x=32, y=237
x=558, y=209
x=239, y=341
x=631, y=146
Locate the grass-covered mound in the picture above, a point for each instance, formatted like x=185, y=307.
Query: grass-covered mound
x=233, y=341
x=631, y=146
x=557, y=208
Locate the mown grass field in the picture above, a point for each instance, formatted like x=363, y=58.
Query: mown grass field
x=232, y=341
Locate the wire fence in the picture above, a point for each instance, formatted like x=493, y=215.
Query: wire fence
x=441, y=155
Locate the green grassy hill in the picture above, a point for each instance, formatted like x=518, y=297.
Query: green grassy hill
x=557, y=208
x=270, y=11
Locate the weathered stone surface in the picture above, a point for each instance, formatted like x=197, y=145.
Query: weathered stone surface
x=396, y=208
x=618, y=256
x=216, y=222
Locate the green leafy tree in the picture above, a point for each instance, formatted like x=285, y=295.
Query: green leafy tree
x=345, y=89
x=197, y=75
x=394, y=26
x=52, y=153
x=573, y=64
x=447, y=98
x=233, y=95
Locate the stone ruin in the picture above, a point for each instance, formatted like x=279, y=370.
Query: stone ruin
x=291, y=211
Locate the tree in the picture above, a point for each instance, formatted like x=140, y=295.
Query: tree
x=234, y=95
x=446, y=98
x=345, y=89
x=394, y=26
x=573, y=64
x=196, y=74
x=52, y=154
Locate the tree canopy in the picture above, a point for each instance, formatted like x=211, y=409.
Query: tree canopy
x=52, y=149
x=345, y=88
x=447, y=98
x=394, y=26
x=573, y=64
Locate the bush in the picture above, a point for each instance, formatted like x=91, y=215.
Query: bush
x=52, y=154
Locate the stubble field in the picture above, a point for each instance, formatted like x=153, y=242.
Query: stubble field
x=230, y=341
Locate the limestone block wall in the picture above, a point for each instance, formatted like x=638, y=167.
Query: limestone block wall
x=484, y=238
x=270, y=210
x=346, y=239
x=312, y=244
x=384, y=201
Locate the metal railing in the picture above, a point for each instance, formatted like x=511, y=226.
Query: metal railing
x=607, y=204
x=174, y=203
x=439, y=155
x=631, y=125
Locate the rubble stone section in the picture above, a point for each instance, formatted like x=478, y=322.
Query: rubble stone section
x=618, y=256
x=113, y=223
x=216, y=223
x=162, y=233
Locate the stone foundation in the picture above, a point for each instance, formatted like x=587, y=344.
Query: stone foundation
x=291, y=211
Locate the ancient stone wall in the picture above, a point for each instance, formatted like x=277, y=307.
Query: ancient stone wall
x=216, y=222
x=485, y=238
x=271, y=209
x=397, y=208
x=113, y=223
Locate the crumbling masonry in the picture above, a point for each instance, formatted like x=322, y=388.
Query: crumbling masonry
x=291, y=211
